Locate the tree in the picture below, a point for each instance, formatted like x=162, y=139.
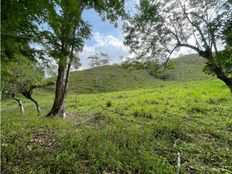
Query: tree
x=22, y=76
x=152, y=67
x=98, y=60
x=161, y=27
x=64, y=37
x=18, y=30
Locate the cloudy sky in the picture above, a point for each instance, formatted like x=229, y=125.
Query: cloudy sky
x=108, y=39
x=105, y=38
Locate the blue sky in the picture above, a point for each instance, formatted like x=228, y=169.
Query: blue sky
x=101, y=26
x=105, y=38
x=108, y=39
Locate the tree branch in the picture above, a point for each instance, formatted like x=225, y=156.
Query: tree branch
x=199, y=46
x=16, y=36
x=189, y=46
x=194, y=25
x=41, y=86
x=167, y=60
x=198, y=16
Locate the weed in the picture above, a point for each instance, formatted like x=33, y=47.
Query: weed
x=108, y=104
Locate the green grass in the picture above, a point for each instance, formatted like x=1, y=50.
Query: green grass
x=189, y=68
x=134, y=131
x=116, y=78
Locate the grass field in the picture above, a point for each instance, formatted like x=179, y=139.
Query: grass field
x=135, y=131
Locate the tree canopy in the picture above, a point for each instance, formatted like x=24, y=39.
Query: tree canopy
x=64, y=38
x=161, y=27
x=19, y=27
x=99, y=59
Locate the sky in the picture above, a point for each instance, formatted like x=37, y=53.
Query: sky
x=108, y=39
x=105, y=38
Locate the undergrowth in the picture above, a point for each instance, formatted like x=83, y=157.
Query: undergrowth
x=140, y=131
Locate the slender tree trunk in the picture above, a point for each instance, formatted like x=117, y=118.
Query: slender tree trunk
x=36, y=104
x=20, y=103
x=28, y=95
x=100, y=77
x=58, y=108
x=58, y=105
x=67, y=77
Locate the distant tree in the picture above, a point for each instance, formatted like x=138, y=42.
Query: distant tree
x=99, y=60
x=22, y=76
x=64, y=37
x=161, y=27
x=152, y=67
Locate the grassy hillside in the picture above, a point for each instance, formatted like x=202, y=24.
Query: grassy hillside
x=189, y=68
x=116, y=78
x=139, y=131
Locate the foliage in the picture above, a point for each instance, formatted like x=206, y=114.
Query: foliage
x=19, y=28
x=227, y=29
x=99, y=59
x=68, y=28
x=224, y=59
x=159, y=28
x=154, y=68
x=20, y=74
x=166, y=26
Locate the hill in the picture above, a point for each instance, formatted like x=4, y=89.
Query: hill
x=189, y=68
x=116, y=78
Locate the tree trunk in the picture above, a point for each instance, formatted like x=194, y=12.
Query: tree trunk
x=58, y=108
x=20, y=103
x=36, y=104
x=28, y=95
x=216, y=68
x=221, y=75
x=58, y=105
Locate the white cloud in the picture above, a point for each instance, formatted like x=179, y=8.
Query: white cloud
x=108, y=44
